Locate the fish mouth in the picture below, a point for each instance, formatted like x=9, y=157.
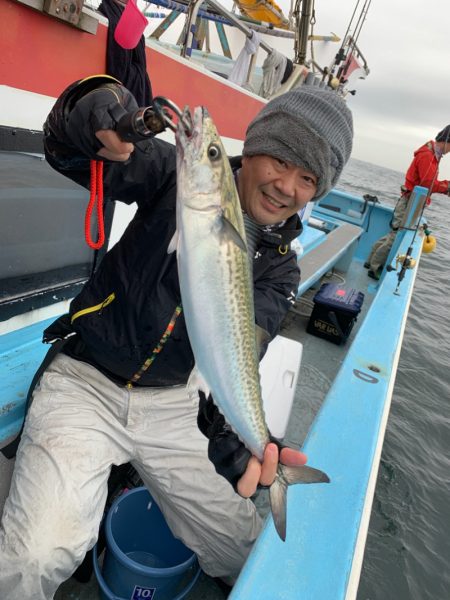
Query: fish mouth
x=190, y=130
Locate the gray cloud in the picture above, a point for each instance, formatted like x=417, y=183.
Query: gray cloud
x=405, y=99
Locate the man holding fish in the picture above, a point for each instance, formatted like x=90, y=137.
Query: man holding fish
x=205, y=259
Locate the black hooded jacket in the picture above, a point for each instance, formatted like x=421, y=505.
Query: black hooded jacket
x=124, y=309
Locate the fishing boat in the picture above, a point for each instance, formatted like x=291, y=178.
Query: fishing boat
x=48, y=44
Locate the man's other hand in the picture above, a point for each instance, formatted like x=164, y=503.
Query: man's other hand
x=264, y=474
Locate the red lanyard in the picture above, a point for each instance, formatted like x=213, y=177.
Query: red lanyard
x=96, y=196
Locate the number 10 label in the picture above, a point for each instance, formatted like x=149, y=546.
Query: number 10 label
x=143, y=593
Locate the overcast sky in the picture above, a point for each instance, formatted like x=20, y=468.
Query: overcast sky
x=405, y=100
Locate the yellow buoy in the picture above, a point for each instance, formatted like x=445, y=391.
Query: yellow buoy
x=429, y=243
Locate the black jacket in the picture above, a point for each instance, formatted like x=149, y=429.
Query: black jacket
x=135, y=289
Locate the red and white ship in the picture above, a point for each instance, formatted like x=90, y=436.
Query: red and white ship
x=42, y=54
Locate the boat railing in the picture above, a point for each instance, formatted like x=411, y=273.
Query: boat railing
x=237, y=23
x=181, y=6
x=215, y=11
x=188, y=43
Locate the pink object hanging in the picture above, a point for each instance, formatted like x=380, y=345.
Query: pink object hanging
x=130, y=27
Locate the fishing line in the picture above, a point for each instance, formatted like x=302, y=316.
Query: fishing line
x=407, y=259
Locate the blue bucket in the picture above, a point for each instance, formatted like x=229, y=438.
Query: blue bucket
x=143, y=560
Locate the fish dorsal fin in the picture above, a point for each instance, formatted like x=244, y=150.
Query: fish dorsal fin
x=230, y=232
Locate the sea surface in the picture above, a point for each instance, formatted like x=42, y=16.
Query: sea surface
x=407, y=554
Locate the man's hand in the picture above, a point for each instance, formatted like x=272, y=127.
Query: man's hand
x=232, y=460
x=113, y=147
x=264, y=474
x=92, y=122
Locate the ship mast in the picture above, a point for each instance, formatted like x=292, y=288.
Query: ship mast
x=303, y=22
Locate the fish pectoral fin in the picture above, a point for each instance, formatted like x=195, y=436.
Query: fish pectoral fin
x=197, y=381
x=278, y=491
x=229, y=232
x=173, y=244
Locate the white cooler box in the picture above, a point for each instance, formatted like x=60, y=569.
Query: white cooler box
x=279, y=371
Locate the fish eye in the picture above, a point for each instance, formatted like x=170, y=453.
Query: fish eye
x=214, y=152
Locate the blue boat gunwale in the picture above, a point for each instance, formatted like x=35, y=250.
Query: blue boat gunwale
x=327, y=525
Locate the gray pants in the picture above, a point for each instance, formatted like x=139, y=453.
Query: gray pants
x=79, y=424
x=381, y=248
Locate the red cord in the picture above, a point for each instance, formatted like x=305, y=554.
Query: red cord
x=96, y=194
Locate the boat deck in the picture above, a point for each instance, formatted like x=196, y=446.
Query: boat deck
x=321, y=359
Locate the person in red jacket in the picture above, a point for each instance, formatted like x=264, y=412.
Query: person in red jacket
x=422, y=171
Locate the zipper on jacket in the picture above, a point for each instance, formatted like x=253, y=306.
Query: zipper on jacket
x=91, y=309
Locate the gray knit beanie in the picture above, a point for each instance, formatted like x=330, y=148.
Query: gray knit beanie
x=310, y=127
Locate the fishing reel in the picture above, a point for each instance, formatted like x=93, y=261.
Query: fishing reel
x=404, y=261
x=148, y=121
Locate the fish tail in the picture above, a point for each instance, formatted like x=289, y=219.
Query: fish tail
x=278, y=491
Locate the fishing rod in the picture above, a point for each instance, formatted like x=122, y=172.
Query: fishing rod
x=406, y=260
x=352, y=41
x=360, y=23
x=340, y=56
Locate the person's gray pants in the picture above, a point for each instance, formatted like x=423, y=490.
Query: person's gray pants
x=79, y=424
x=382, y=247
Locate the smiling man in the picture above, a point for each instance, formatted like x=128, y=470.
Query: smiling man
x=99, y=403
x=271, y=190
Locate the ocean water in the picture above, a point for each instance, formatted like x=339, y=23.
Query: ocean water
x=407, y=554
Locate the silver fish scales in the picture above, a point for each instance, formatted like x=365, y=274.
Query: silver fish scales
x=217, y=295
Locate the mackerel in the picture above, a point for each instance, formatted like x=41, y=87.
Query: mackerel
x=217, y=295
